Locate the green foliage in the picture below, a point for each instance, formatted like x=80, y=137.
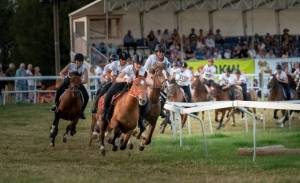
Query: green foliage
x=30, y=34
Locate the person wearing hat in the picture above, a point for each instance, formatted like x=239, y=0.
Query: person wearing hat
x=283, y=80
x=227, y=81
x=158, y=57
x=209, y=71
x=183, y=79
x=123, y=82
x=109, y=75
x=79, y=67
x=241, y=80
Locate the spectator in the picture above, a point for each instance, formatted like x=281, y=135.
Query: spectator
x=151, y=41
x=166, y=38
x=10, y=72
x=244, y=51
x=2, y=84
x=111, y=50
x=193, y=39
x=227, y=54
x=30, y=83
x=158, y=36
x=270, y=54
x=129, y=41
x=218, y=37
x=268, y=41
x=37, y=72
x=189, y=54
x=21, y=84
x=176, y=37
x=201, y=36
x=185, y=42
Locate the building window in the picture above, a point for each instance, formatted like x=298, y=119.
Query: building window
x=79, y=29
x=98, y=28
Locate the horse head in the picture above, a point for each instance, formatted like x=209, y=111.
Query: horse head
x=172, y=88
x=159, y=76
x=273, y=83
x=139, y=90
x=75, y=80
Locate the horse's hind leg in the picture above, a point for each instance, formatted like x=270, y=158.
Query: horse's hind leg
x=93, y=132
x=54, y=130
x=125, y=139
x=103, y=127
x=117, y=133
x=275, y=114
x=221, y=121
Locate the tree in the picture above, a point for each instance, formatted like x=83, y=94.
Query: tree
x=6, y=38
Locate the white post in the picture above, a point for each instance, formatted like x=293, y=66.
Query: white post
x=210, y=123
x=290, y=121
x=246, y=123
x=189, y=125
x=254, y=139
x=35, y=91
x=173, y=123
x=180, y=127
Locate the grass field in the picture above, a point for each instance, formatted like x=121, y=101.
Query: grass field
x=26, y=157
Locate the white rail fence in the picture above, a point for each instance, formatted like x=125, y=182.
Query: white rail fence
x=178, y=108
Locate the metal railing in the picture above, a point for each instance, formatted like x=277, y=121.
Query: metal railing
x=92, y=85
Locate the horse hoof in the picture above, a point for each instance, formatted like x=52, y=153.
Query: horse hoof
x=147, y=142
x=130, y=146
x=114, y=148
x=64, y=139
x=51, y=144
x=141, y=148
x=102, y=151
x=122, y=147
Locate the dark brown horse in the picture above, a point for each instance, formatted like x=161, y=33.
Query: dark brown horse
x=69, y=107
x=125, y=115
x=223, y=95
x=153, y=107
x=277, y=94
x=199, y=91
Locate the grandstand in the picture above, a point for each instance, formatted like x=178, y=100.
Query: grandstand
x=107, y=21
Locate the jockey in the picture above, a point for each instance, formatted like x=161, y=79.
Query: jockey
x=282, y=78
x=76, y=66
x=227, y=81
x=209, y=71
x=109, y=75
x=184, y=80
x=158, y=57
x=123, y=82
x=241, y=80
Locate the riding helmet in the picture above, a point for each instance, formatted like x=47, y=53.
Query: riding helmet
x=278, y=67
x=123, y=56
x=138, y=59
x=159, y=48
x=79, y=57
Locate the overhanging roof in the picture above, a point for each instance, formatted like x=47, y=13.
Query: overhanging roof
x=178, y=6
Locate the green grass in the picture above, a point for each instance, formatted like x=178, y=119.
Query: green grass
x=26, y=157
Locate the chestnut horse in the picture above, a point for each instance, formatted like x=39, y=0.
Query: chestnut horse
x=223, y=95
x=176, y=94
x=199, y=91
x=125, y=114
x=277, y=94
x=153, y=107
x=70, y=103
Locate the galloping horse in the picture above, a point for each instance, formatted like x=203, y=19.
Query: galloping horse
x=125, y=114
x=176, y=94
x=223, y=95
x=277, y=94
x=69, y=107
x=153, y=107
x=199, y=91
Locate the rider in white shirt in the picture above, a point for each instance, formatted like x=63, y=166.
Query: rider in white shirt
x=227, y=81
x=183, y=79
x=209, y=71
x=283, y=80
x=241, y=80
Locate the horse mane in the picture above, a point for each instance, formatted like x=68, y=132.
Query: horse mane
x=74, y=73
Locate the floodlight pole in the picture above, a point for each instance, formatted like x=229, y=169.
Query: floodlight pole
x=56, y=35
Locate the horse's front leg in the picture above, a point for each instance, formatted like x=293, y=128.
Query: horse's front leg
x=70, y=129
x=125, y=140
x=147, y=140
x=275, y=114
x=93, y=130
x=54, y=129
x=222, y=118
x=183, y=119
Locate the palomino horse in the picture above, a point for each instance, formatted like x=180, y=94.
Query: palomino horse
x=69, y=107
x=199, y=91
x=223, y=95
x=176, y=94
x=153, y=107
x=125, y=115
x=277, y=94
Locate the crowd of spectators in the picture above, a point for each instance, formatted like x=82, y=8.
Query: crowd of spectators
x=19, y=85
x=200, y=45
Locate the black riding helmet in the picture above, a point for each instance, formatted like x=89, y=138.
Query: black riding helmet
x=159, y=48
x=79, y=57
x=138, y=59
x=278, y=67
x=123, y=56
